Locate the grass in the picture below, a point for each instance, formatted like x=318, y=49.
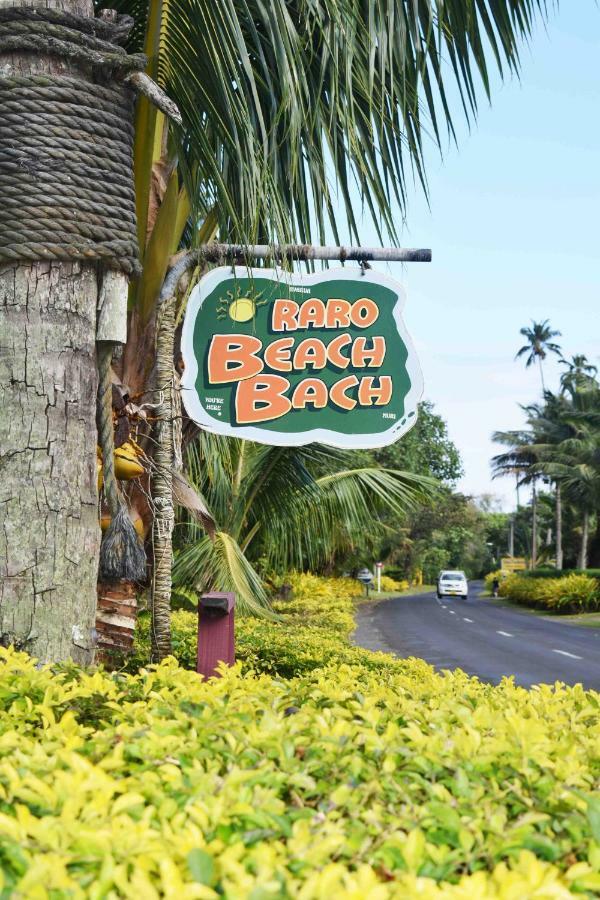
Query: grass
x=387, y=595
x=586, y=620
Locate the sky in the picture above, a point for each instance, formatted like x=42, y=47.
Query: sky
x=513, y=222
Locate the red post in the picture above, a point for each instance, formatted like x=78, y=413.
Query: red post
x=215, y=632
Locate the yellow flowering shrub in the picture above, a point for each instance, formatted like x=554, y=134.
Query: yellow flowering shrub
x=312, y=628
x=390, y=584
x=313, y=769
x=349, y=781
x=571, y=593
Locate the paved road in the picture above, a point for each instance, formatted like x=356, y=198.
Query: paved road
x=483, y=638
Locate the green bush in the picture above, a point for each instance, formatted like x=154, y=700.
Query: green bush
x=351, y=781
x=391, y=584
x=558, y=573
x=571, y=593
x=313, y=626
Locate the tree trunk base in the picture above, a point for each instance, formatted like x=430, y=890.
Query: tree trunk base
x=115, y=620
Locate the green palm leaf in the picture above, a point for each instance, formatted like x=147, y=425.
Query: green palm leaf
x=220, y=565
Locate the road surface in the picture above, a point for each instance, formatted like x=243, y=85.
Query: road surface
x=483, y=638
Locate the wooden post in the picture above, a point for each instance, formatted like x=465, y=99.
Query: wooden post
x=215, y=632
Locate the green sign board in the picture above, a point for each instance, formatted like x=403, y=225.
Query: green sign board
x=287, y=359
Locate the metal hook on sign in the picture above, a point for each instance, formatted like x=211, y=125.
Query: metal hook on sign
x=364, y=265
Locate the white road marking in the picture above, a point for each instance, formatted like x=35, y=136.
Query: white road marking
x=468, y=620
x=566, y=653
x=451, y=611
x=504, y=633
x=444, y=607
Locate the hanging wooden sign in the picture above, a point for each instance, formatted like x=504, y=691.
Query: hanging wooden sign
x=286, y=359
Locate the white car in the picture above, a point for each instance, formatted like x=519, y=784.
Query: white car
x=452, y=584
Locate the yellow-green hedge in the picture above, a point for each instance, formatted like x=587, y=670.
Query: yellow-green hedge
x=313, y=626
x=571, y=593
x=348, y=782
x=312, y=770
x=390, y=584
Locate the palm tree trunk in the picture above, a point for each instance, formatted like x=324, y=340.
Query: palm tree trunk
x=542, y=374
x=162, y=485
x=49, y=531
x=559, y=546
x=585, y=536
x=533, y=526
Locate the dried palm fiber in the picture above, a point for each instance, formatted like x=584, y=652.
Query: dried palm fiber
x=122, y=556
x=66, y=183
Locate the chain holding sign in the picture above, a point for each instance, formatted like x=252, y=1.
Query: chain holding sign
x=287, y=359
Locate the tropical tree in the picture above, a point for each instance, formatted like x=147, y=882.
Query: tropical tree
x=579, y=372
x=279, y=102
x=572, y=458
x=561, y=443
x=519, y=460
x=279, y=508
x=539, y=345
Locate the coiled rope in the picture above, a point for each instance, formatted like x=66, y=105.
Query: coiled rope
x=66, y=143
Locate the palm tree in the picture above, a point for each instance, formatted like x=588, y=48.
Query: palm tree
x=279, y=508
x=519, y=460
x=549, y=429
x=580, y=372
x=539, y=344
x=561, y=442
x=285, y=107
x=574, y=461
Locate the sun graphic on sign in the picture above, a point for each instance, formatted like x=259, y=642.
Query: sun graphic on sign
x=238, y=308
x=242, y=310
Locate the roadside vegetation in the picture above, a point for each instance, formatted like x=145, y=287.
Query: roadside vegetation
x=556, y=455
x=571, y=592
x=313, y=769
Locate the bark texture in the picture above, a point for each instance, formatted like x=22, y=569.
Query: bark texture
x=534, y=535
x=49, y=532
x=162, y=485
x=585, y=537
x=559, y=541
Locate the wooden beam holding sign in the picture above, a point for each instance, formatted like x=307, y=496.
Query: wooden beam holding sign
x=286, y=359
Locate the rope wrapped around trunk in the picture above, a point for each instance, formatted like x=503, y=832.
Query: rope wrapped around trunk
x=66, y=160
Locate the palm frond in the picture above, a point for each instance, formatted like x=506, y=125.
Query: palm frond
x=221, y=565
x=280, y=100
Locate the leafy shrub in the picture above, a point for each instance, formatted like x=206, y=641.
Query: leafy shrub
x=313, y=626
x=390, y=584
x=571, y=593
x=558, y=573
x=388, y=781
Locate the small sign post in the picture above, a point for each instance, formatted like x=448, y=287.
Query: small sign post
x=366, y=578
x=378, y=568
x=216, y=641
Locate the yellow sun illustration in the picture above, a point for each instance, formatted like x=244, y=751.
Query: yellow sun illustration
x=242, y=310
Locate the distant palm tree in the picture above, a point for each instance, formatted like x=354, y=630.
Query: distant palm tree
x=539, y=344
x=549, y=429
x=575, y=460
x=519, y=460
x=580, y=372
